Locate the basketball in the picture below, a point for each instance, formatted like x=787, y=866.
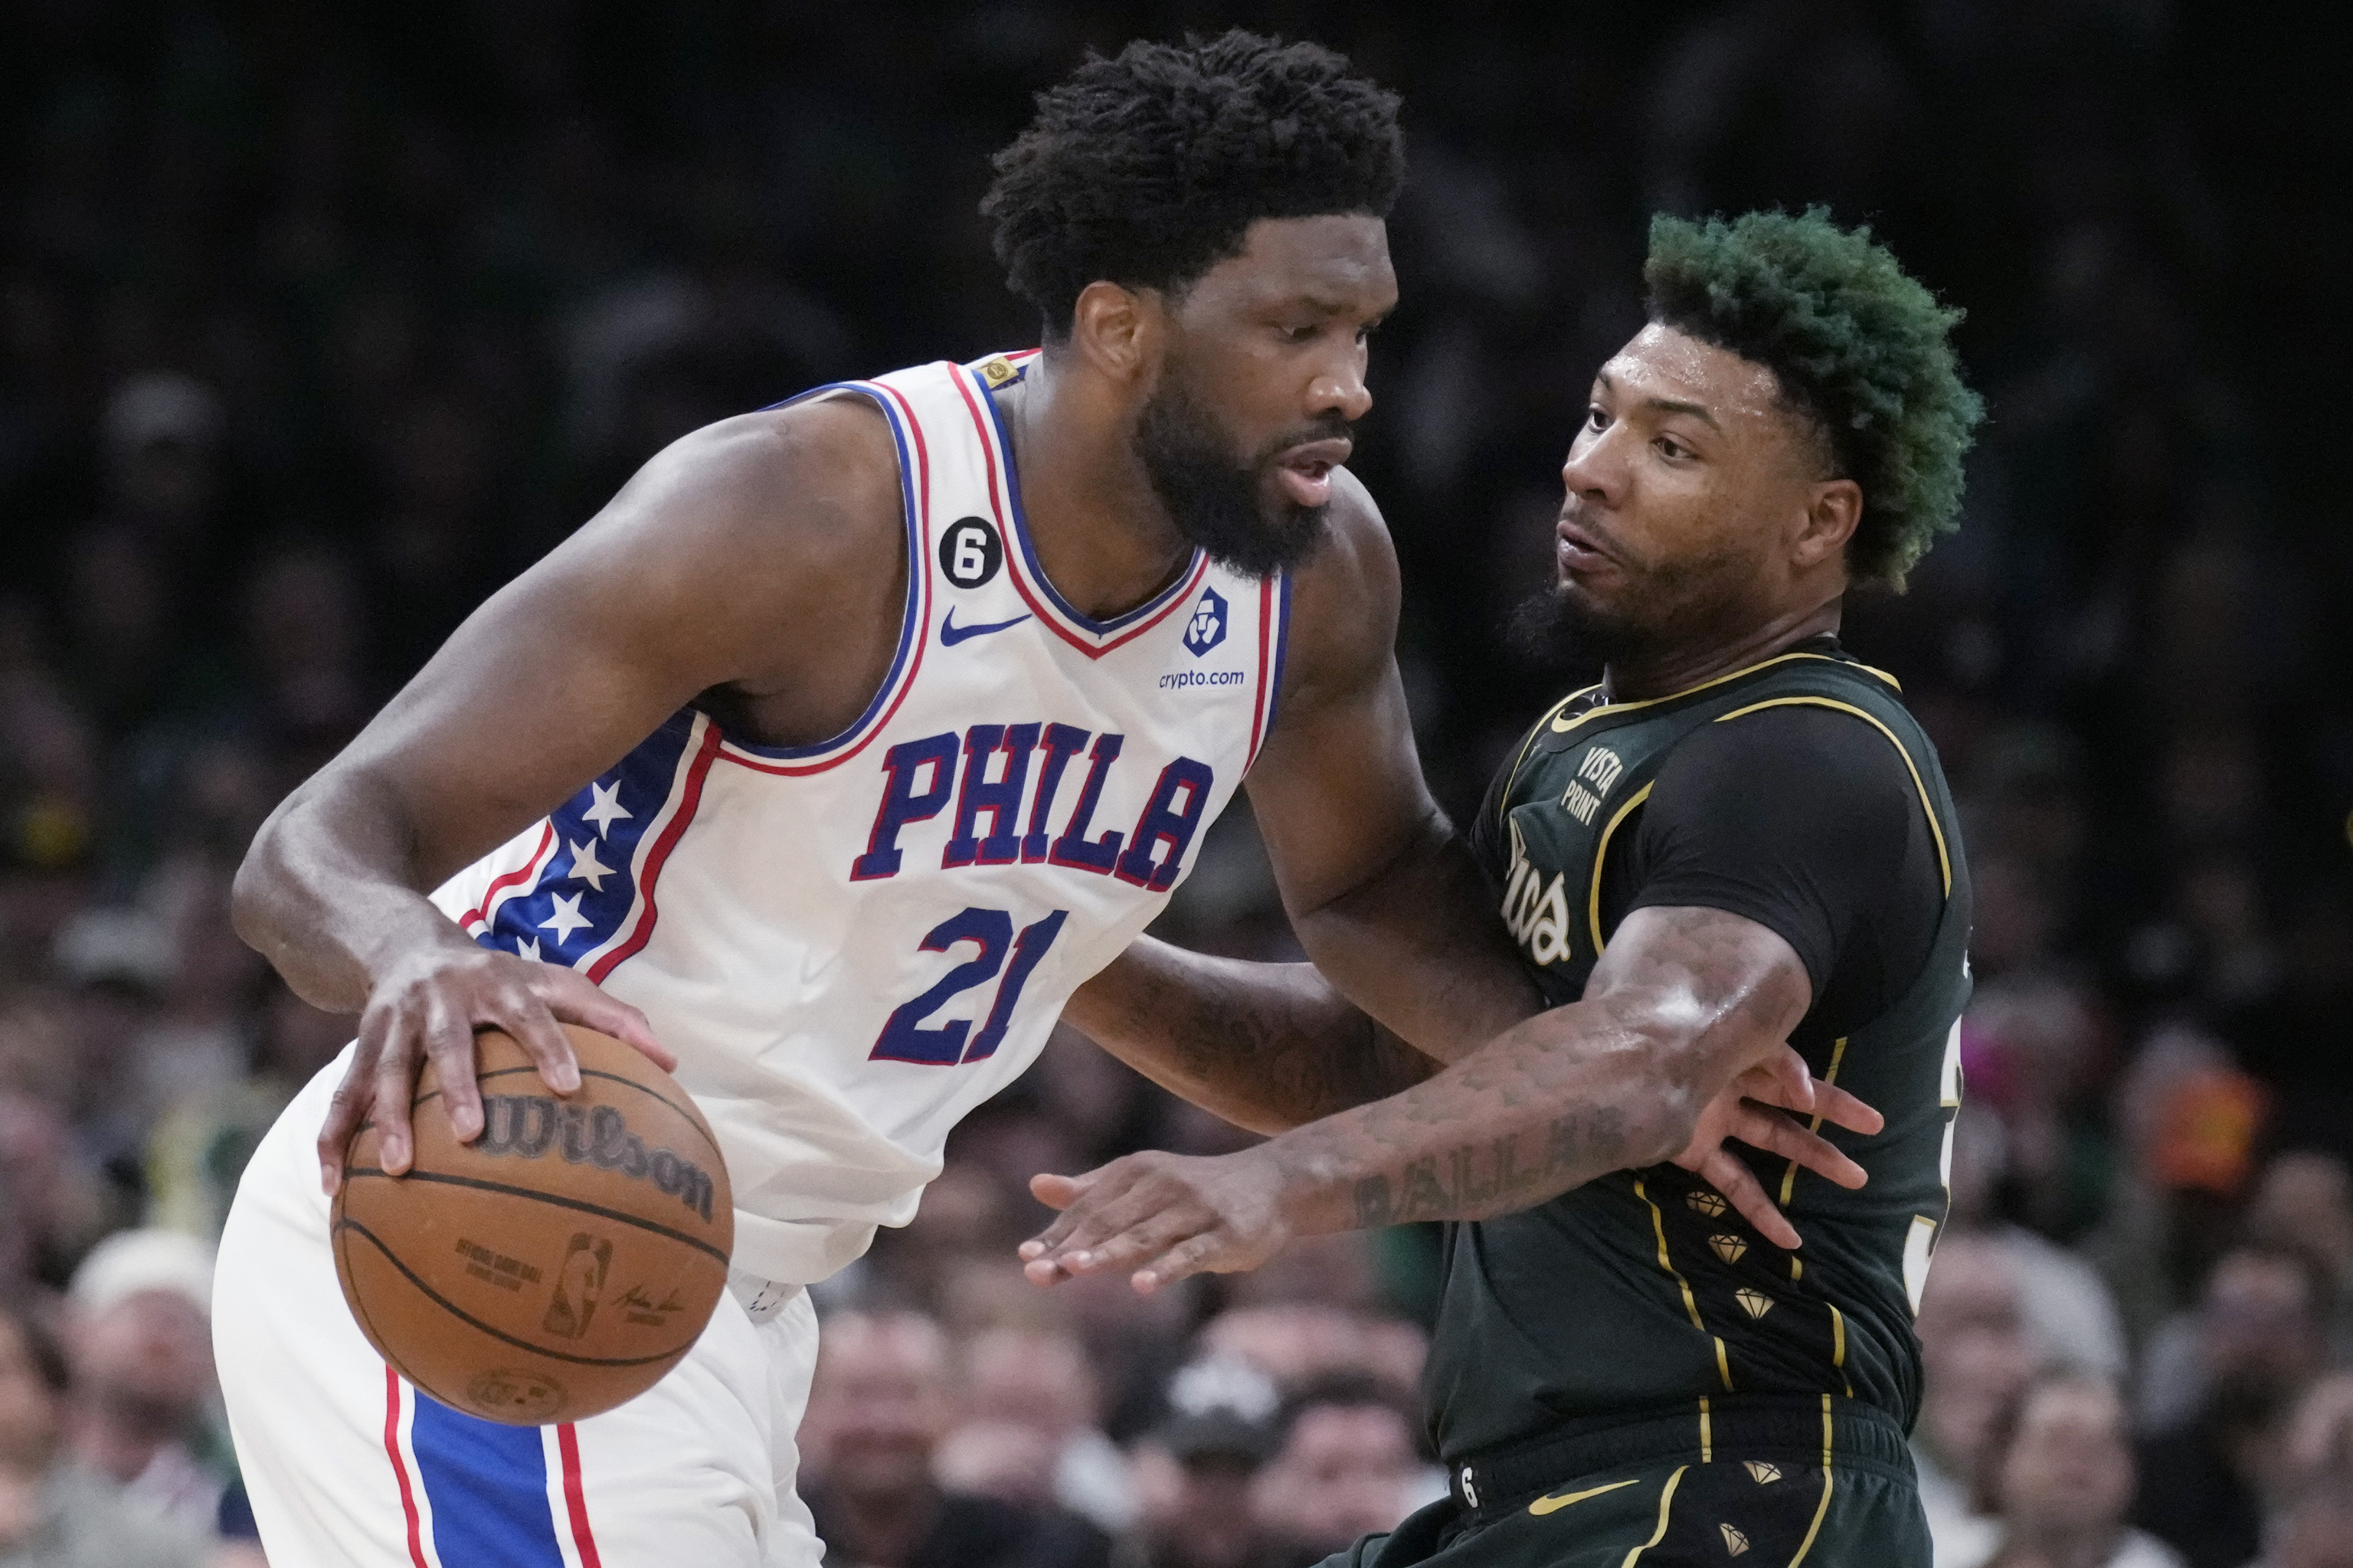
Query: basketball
x=558, y=1265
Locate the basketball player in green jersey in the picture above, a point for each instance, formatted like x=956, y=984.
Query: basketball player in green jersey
x=1739, y=838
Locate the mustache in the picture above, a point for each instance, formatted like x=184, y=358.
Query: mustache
x=1332, y=427
x=1582, y=518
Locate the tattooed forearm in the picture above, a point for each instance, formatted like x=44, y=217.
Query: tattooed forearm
x=1267, y=1047
x=1684, y=1000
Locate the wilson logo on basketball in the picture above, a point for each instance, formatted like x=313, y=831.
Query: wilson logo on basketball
x=529, y=1126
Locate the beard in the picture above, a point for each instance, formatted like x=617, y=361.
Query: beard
x=1666, y=606
x=1217, y=502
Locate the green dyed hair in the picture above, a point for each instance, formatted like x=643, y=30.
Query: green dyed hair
x=1858, y=345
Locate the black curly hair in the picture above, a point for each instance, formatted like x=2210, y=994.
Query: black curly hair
x=1147, y=169
x=1858, y=345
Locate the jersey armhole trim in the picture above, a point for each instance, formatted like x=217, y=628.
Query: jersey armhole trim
x=915, y=501
x=1936, y=829
x=1601, y=858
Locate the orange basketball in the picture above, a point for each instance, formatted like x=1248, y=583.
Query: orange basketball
x=558, y=1265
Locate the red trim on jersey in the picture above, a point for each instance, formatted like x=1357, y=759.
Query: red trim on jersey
x=530, y=869
x=668, y=841
x=576, y=1503
x=1007, y=523
x=392, y=1449
x=921, y=566
x=1257, y=705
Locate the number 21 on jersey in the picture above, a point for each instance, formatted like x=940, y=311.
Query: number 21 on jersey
x=905, y=1038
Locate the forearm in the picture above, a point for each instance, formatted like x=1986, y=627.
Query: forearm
x=1266, y=1046
x=1586, y=1089
x=1418, y=945
x=329, y=906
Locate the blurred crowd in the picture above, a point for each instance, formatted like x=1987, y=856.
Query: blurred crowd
x=316, y=323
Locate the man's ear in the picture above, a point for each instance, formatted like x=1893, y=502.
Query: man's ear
x=1119, y=331
x=1834, y=510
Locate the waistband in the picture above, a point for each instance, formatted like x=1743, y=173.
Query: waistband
x=1813, y=1429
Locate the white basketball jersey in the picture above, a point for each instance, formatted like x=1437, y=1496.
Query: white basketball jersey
x=850, y=945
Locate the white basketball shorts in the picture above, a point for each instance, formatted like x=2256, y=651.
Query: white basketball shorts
x=351, y=1467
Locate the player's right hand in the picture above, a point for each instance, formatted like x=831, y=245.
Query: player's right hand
x=428, y=1006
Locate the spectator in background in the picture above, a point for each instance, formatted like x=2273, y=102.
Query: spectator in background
x=139, y=1348
x=1995, y=1313
x=1031, y=1431
x=2062, y=1482
x=2263, y=1324
x=882, y=1398
x=1193, y=1474
x=55, y=1514
x=1346, y=1467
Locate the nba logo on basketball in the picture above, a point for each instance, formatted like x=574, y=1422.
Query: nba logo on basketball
x=577, y=1286
x=1208, y=627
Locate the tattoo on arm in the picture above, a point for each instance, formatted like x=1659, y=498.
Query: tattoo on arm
x=1684, y=1000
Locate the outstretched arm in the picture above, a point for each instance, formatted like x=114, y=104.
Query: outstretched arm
x=1685, y=1004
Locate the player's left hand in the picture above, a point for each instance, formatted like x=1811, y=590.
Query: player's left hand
x=1161, y=1216
x=1757, y=1108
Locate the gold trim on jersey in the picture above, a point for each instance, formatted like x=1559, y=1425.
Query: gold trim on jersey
x=1790, y=1178
x=1559, y=1500
x=1601, y=854
x=1560, y=729
x=1821, y=1511
x=1944, y=858
x=1691, y=1302
x=1666, y=1501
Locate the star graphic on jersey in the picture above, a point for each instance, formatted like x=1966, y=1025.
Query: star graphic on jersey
x=605, y=808
x=567, y=918
x=585, y=865
x=528, y=948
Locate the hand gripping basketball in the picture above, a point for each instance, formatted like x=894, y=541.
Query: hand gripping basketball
x=428, y=1007
x=555, y=1266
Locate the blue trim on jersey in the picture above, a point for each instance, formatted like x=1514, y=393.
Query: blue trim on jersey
x=488, y=1486
x=1282, y=642
x=911, y=626
x=565, y=914
x=1021, y=531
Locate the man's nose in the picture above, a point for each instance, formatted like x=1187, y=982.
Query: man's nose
x=1341, y=390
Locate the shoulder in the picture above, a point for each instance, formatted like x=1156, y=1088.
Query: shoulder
x=1344, y=600
x=753, y=515
x=1818, y=760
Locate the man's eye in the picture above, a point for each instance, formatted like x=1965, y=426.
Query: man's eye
x=1299, y=334
x=1595, y=419
x=1673, y=448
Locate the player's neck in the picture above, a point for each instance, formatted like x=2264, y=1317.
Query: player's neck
x=1647, y=676
x=1102, y=537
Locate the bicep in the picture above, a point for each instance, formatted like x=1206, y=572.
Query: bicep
x=1726, y=989
x=677, y=587
x=1338, y=790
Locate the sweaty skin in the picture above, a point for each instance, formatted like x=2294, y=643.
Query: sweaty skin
x=1701, y=530
x=758, y=568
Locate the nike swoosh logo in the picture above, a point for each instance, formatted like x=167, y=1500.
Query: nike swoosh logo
x=1559, y=1500
x=951, y=633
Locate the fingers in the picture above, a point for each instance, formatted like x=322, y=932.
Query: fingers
x=343, y=1118
x=1056, y=1193
x=1070, y=1190
x=449, y=1042
x=529, y=1019
x=1201, y=1254
x=1777, y=1134
x=1739, y=1186
x=1835, y=1106
x=576, y=999
x=1782, y=1079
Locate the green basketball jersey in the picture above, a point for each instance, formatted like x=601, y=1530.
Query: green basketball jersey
x=1645, y=1288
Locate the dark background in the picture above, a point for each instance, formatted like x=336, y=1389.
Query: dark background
x=317, y=324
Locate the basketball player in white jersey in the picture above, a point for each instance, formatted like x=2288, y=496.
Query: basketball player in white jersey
x=831, y=758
